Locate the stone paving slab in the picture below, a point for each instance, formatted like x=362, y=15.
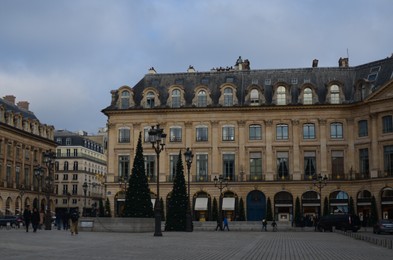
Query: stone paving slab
x=59, y=244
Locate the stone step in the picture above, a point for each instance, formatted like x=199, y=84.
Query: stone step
x=248, y=226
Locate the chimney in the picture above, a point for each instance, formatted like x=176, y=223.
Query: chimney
x=23, y=105
x=152, y=71
x=10, y=99
x=343, y=62
x=315, y=63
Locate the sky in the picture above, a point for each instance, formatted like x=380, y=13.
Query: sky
x=65, y=56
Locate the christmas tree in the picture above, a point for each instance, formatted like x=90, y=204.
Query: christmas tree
x=138, y=202
x=177, y=208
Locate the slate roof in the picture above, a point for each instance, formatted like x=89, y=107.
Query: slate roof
x=15, y=109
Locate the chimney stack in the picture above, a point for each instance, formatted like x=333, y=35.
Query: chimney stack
x=315, y=63
x=10, y=99
x=23, y=105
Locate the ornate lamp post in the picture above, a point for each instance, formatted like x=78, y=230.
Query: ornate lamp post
x=157, y=139
x=38, y=174
x=84, y=186
x=220, y=183
x=320, y=182
x=188, y=158
x=21, y=193
x=49, y=159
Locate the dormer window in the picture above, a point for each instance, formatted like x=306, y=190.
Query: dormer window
x=307, y=96
x=254, y=97
x=202, y=98
x=228, y=97
x=176, y=98
x=150, y=99
x=281, y=96
x=125, y=100
x=334, y=94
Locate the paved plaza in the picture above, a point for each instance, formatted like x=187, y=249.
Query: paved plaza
x=59, y=244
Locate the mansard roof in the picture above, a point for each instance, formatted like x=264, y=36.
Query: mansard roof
x=374, y=75
x=16, y=109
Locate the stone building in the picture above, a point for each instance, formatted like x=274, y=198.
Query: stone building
x=23, y=140
x=269, y=131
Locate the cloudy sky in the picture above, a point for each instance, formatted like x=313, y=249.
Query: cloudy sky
x=65, y=56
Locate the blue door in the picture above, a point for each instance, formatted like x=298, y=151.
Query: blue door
x=256, y=206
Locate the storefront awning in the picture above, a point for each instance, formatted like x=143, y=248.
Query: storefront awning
x=228, y=204
x=200, y=204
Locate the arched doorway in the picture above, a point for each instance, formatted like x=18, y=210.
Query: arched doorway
x=229, y=205
x=310, y=203
x=363, y=206
x=202, y=206
x=283, y=206
x=120, y=199
x=339, y=201
x=8, y=210
x=256, y=206
x=387, y=203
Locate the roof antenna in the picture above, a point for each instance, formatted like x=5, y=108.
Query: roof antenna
x=347, y=53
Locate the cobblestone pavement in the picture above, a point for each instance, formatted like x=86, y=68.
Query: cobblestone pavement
x=55, y=244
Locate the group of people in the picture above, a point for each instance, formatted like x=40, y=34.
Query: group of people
x=36, y=220
x=264, y=225
x=220, y=224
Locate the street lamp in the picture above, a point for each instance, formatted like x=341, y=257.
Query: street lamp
x=49, y=159
x=320, y=181
x=84, y=186
x=157, y=139
x=38, y=174
x=21, y=193
x=188, y=158
x=221, y=183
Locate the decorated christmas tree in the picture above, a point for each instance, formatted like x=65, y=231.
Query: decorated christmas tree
x=138, y=202
x=177, y=204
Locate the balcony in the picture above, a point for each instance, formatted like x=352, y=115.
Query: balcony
x=256, y=177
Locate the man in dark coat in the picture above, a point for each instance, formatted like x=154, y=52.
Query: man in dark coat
x=27, y=217
x=35, y=219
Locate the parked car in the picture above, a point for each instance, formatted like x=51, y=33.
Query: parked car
x=339, y=221
x=383, y=226
x=14, y=221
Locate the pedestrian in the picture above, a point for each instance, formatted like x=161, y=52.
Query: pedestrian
x=74, y=222
x=35, y=219
x=27, y=217
x=264, y=225
x=226, y=223
x=274, y=225
x=42, y=215
x=219, y=225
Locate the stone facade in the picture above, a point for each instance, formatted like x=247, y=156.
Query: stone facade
x=270, y=132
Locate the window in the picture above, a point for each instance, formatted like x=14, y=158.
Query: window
x=255, y=166
x=202, y=99
x=362, y=128
x=124, y=166
x=75, y=152
x=308, y=131
x=68, y=141
x=282, y=132
x=150, y=162
x=75, y=166
x=282, y=165
x=65, y=189
x=364, y=162
x=75, y=177
x=228, y=133
x=281, y=96
x=125, y=100
x=65, y=177
x=201, y=134
x=201, y=167
x=255, y=132
x=172, y=166
x=150, y=97
x=307, y=96
x=176, y=98
x=228, y=97
x=146, y=137
x=387, y=124
x=336, y=130
x=334, y=94
x=58, y=140
x=175, y=134
x=124, y=135
x=27, y=176
x=74, y=189
x=309, y=164
x=229, y=166
x=254, y=97
x=68, y=152
x=337, y=164
x=388, y=160
x=17, y=175
x=65, y=166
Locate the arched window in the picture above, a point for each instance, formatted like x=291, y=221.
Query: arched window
x=307, y=96
x=150, y=99
x=125, y=100
x=334, y=94
x=202, y=98
x=176, y=98
x=281, y=96
x=254, y=97
x=75, y=165
x=228, y=97
x=66, y=166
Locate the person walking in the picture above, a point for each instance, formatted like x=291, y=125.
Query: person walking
x=35, y=219
x=226, y=223
x=219, y=225
x=264, y=225
x=27, y=217
x=274, y=225
x=74, y=222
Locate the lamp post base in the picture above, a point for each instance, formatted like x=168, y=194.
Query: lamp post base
x=157, y=230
